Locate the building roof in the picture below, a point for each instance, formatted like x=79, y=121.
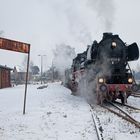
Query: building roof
x=5, y=67
x=19, y=69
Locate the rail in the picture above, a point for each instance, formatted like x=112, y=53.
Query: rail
x=125, y=115
x=135, y=95
x=97, y=124
x=129, y=106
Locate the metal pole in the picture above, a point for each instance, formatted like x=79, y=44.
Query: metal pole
x=24, y=107
x=41, y=67
x=52, y=72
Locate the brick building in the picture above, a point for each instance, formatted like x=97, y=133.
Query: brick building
x=5, y=76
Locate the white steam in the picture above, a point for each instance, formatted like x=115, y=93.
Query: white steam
x=88, y=82
x=77, y=26
x=75, y=13
x=87, y=86
x=63, y=56
x=85, y=18
x=105, y=10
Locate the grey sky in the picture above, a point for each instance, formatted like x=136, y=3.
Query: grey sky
x=45, y=23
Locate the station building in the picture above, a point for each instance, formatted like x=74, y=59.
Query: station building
x=5, y=76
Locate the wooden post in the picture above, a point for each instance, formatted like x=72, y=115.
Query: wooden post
x=27, y=73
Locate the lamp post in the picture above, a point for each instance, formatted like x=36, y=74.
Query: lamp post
x=41, y=65
x=52, y=72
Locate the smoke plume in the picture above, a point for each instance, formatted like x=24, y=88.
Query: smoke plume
x=77, y=26
x=88, y=82
x=63, y=56
x=105, y=10
x=87, y=86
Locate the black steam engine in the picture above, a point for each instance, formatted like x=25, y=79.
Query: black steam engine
x=109, y=60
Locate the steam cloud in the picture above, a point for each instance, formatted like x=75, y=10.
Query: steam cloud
x=88, y=82
x=87, y=86
x=76, y=13
x=63, y=56
x=105, y=10
x=103, y=14
x=84, y=17
x=77, y=27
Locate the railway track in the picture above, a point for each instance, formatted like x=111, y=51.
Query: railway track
x=97, y=124
x=135, y=95
x=138, y=92
x=122, y=113
x=129, y=106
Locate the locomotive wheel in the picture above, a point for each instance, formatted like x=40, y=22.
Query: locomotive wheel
x=122, y=99
x=109, y=96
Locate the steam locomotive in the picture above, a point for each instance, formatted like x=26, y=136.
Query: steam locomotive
x=105, y=63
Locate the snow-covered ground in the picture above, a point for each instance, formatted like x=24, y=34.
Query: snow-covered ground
x=53, y=113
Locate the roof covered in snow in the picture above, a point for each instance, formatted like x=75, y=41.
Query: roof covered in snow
x=19, y=69
x=5, y=67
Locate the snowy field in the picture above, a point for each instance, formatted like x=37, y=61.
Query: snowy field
x=53, y=113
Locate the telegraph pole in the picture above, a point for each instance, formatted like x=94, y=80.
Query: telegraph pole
x=52, y=72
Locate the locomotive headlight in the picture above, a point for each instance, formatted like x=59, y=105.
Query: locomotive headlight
x=114, y=45
x=130, y=80
x=100, y=80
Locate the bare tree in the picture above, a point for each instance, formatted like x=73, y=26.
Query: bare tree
x=1, y=33
x=31, y=65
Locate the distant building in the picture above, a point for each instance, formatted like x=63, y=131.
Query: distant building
x=19, y=75
x=5, y=76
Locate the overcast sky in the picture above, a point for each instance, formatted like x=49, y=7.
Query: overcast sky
x=47, y=23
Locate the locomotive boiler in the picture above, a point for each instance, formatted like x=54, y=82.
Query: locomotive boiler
x=112, y=74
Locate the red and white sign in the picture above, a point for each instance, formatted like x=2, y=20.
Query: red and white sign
x=12, y=45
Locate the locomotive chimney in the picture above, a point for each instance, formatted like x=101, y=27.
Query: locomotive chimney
x=106, y=35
